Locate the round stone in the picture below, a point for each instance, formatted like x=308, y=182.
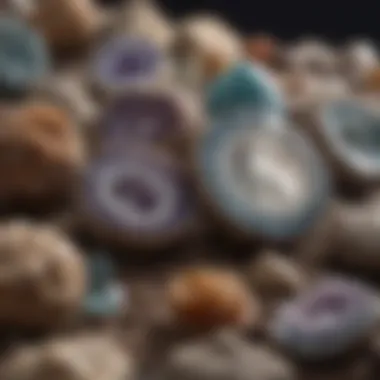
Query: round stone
x=243, y=85
x=141, y=195
x=350, y=133
x=141, y=117
x=126, y=61
x=266, y=182
x=325, y=320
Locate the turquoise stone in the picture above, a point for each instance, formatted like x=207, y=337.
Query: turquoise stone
x=243, y=86
x=24, y=57
x=105, y=302
x=106, y=295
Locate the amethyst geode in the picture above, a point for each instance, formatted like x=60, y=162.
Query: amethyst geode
x=141, y=195
x=326, y=320
x=141, y=117
x=124, y=61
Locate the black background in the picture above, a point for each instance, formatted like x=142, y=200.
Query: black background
x=334, y=20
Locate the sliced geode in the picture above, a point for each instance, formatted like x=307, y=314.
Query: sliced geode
x=141, y=197
x=125, y=62
x=265, y=182
x=155, y=117
x=326, y=320
x=348, y=134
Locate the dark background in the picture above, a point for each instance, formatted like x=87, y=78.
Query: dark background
x=335, y=20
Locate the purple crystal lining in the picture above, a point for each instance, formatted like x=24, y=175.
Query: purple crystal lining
x=330, y=297
x=143, y=197
x=137, y=192
x=139, y=117
x=329, y=293
x=126, y=60
x=328, y=303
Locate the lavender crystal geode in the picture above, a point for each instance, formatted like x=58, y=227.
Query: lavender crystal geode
x=140, y=193
x=124, y=61
x=140, y=117
x=326, y=320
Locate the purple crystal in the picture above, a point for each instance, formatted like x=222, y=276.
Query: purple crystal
x=140, y=117
x=133, y=189
x=328, y=303
x=124, y=59
x=138, y=196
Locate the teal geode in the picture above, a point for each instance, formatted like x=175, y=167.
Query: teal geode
x=24, y=57
x=243, y=86
x=106, y=296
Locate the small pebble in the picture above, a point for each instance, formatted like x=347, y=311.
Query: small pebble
x=67, y=24
x=211, y=297
x=206, y=47
x=358, y=59
x=312, y=56
x=357, y=236
x=145, y=19
x=273, y=274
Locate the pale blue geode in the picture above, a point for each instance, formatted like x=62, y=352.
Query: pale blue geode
x=325, y=320
x=352, y=131
x=228, y=167
x=106, y=296
x=245, y=85
x=24, y=57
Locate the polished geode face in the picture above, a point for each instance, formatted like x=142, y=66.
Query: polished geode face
x=140, y=117
x=123, y=60
x=24, y=57
x=267, y=181
x=138, y=193
x=326, y=319
x=352, y=131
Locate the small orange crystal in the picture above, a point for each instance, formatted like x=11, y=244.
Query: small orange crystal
x=209, y=297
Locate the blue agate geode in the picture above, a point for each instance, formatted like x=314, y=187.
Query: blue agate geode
x=351, y=131
x=24, y=57
x=266, y=182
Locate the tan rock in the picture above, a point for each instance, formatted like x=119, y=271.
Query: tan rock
x=42, y=275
